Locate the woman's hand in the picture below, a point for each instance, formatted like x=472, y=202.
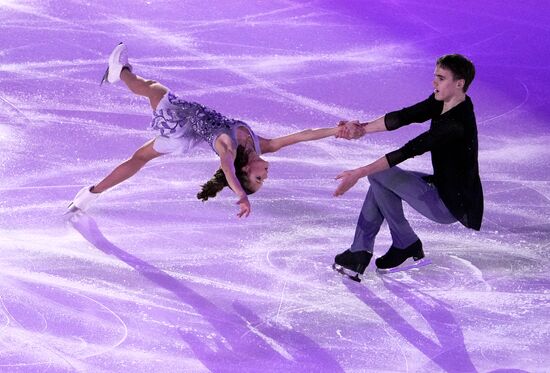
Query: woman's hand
x=348, y=180
x=350, y=130
x=244, y=205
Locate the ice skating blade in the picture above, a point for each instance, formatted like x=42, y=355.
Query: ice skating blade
x=346, y=272
x=417, y=264
x=104, y=79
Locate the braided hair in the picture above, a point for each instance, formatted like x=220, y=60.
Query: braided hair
x=218, y=181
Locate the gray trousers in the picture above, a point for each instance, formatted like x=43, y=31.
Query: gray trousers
x=387, y=190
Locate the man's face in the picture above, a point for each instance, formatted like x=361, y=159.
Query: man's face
x=445, y=87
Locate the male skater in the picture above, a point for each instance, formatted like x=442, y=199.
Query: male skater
x=452, y=193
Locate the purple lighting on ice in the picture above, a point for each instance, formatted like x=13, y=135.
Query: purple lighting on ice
x=151, y=279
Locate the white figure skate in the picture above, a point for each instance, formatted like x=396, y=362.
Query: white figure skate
x=83, y=200
x=117, y=61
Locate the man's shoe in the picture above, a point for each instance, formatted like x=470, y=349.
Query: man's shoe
x=395, y=256
x=352, y=264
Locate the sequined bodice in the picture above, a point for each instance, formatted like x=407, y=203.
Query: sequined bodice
x=176, y=118
x=205, y=123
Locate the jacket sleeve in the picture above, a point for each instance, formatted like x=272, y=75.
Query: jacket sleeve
x=437, y=137
x=416, y=113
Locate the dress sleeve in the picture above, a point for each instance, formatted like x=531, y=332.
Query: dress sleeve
x=416, y=113
x=437, y=137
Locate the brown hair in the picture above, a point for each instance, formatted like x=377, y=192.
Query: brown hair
x=218, y=181
x=460, y=66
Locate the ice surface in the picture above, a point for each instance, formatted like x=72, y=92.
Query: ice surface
x=151, y=279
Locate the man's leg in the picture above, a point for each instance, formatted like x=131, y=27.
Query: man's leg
x=355, y=260
x=384, y=201
x=395, y=185
x=368, y=225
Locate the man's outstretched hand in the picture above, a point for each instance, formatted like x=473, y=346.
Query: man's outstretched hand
x=347, y=180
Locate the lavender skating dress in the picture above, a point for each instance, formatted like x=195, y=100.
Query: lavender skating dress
x=181, y=125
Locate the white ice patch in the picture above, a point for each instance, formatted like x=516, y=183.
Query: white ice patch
x=474, y=271
x=516, y=150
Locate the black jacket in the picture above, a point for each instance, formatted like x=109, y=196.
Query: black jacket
x=452, y=140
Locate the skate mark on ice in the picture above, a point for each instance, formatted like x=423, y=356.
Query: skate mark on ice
x=281, y=302
x=524, y=101
x=56, y=296
x=234, y=329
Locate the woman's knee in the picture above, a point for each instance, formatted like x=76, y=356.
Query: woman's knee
x=148, y=87
x=155, y=92
x=145, y=153
x=138, y=157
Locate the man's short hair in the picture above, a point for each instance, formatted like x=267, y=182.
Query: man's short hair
x=460, y=66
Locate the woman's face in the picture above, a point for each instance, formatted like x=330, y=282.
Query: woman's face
x=257, y=171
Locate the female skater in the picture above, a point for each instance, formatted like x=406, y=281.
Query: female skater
x=180, y=126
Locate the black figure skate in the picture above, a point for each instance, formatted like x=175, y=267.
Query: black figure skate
x=352, y=264
x=390, y=262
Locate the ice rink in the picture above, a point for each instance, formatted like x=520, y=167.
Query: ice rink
x=153, y=280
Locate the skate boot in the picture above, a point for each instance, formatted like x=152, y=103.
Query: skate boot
x=83, y=200
x=389, y=262
x=352, y=264
x=118, y=60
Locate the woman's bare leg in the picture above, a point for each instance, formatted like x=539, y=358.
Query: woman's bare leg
x=128, y=168
x=154, y=91
x=140, y=86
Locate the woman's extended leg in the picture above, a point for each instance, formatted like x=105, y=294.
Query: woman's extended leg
x=151, y=89
x=87, y=195
x=128, y=168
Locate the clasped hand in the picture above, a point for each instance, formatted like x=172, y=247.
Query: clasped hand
x=351, y=129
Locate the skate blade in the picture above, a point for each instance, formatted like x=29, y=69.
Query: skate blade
x=346, y=272
x=104, y=79
x=419, y=263
x=72, y=209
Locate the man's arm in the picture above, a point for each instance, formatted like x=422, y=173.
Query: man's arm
x=355, y=129
x=438, y=137
x=417, y=113
x=349, y=178
x=435, y=138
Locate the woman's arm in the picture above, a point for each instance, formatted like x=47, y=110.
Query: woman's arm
x=354, y=129
x=272, y=145
x=227, y=155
